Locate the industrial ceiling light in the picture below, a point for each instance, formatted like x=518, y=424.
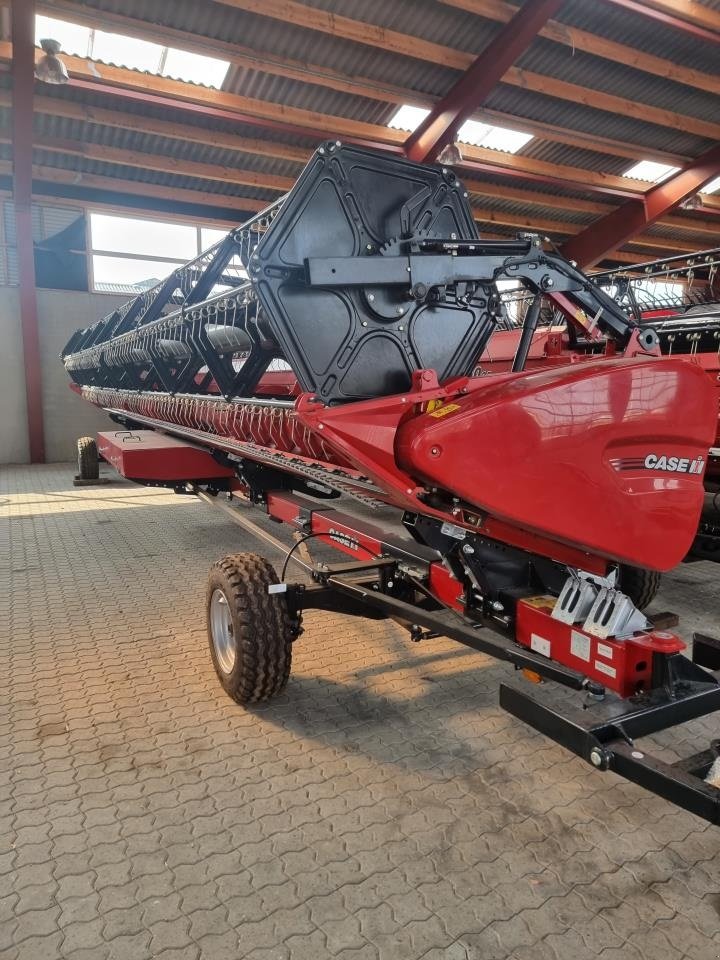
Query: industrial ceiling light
x=50, y=68
x=450, y=155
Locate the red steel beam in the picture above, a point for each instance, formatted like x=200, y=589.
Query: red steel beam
x=625, y=222
x=667, y=19
x=440, y=127
x=23, y=70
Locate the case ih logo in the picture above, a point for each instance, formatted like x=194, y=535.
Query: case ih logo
x=654, y=461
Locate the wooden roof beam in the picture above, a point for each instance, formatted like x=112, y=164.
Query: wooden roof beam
x=178, y=131
x=206, y=102
x=135, y=188
x=357, y=86
x=393, y=41
x=71, y=109
x=246, y=57
x=598, y=46
x=686, y=16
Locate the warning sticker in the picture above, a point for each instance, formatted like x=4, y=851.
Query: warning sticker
x=605, y=651
x=580, y=646
x=605, y=668
x=540, y=644
x=444, y=411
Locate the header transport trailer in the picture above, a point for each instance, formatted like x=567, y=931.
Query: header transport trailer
x=317, y=364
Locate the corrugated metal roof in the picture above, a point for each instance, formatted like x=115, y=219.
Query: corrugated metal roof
x=425, y=19
x=535, y=212
x=142, y=175
x=639, y=32
x=572, y=116
x=574, y=66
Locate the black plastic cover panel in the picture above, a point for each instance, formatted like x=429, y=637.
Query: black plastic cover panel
x=356, y=342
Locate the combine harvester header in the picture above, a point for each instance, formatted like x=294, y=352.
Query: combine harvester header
x=317, y=363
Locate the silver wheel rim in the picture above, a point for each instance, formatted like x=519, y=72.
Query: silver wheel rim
x=221, y=629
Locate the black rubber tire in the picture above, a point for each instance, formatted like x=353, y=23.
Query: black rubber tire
x=88, y=466
x=261, y=628
x=639, y=584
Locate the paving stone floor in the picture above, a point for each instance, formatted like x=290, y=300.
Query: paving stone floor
x=382, y=807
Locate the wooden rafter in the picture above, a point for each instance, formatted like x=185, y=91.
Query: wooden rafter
x=321, y=76
x=53, y=106
x=689, y=10
x=309, y=123
x=393, y=41
x=142, y=160
x=237, y=54
x=130, y=83
x=598, y=46
x=92, y=181
x=696, y=20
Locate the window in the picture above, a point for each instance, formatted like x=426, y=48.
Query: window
x=131, y=254
x=473, y=132
x=132, y=52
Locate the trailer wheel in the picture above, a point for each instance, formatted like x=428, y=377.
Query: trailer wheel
x=88, y=467
x=249, y=629
x=639, y=584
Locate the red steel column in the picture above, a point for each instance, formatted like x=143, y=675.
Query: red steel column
x=440, y=127
x=23, y=69
x=625, y=222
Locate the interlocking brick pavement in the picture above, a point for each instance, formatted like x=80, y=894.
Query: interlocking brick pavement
x=382, y=808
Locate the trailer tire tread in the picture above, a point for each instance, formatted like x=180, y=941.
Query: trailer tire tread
x=639, y=584
x=261, y=625
x=88, y=466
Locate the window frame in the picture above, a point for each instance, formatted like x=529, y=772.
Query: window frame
x=92, y=252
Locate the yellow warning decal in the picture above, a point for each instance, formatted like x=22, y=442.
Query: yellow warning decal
x=438, y=412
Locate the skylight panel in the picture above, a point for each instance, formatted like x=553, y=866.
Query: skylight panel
x=195, y=68
x=711, y=187
x=492, y=137
x=408, y=118
x=126, y=51
x=473, y=132
x=132, y=52
x=73, y=38
x=508, y=141
x=650, y=171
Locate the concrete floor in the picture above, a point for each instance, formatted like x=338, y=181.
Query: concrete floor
x=382, y=807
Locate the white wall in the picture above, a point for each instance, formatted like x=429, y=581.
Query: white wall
x=66, y=416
